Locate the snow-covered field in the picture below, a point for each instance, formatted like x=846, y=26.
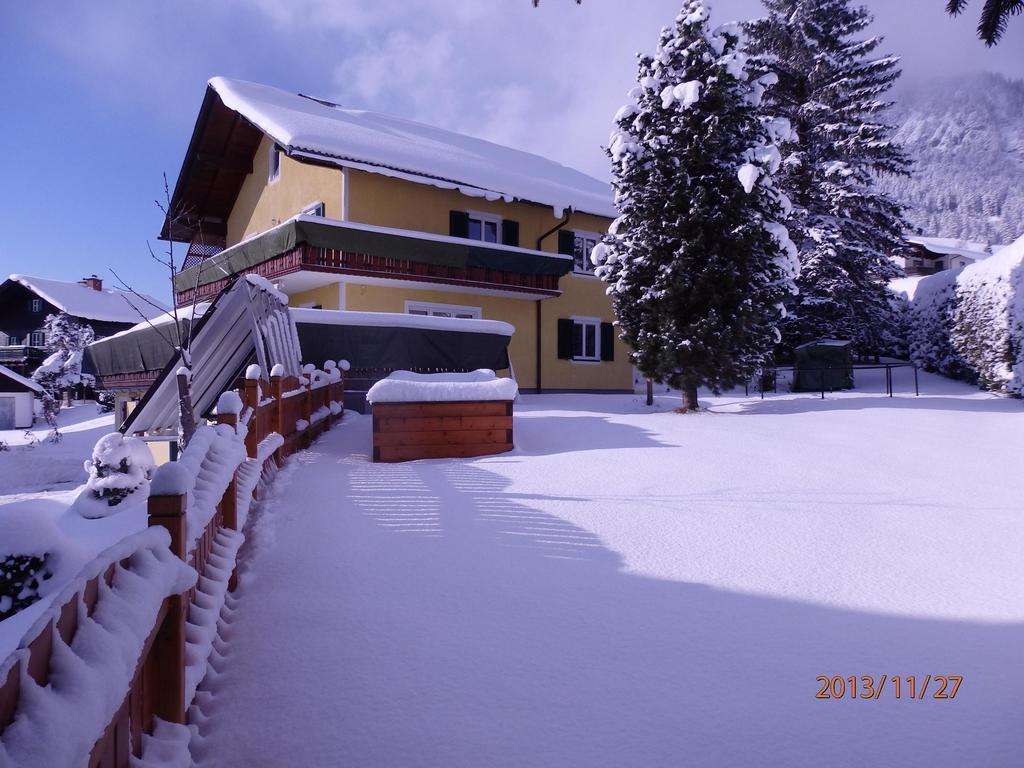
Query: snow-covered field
x=635, y=587
x=32, y=464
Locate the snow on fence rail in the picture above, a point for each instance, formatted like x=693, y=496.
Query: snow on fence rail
x=105, y=677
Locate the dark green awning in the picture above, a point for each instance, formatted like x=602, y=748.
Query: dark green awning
x=375, y=241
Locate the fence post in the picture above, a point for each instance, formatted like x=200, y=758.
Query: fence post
x=277, y=415
x=917, y=391
x=307, y=410
x=168, y=651
x=229, y=501
x=251, y=400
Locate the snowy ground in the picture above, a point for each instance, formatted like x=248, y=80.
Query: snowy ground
x=639, y=588
x=32, y=464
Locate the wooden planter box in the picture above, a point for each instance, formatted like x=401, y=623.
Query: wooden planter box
x=407, y=431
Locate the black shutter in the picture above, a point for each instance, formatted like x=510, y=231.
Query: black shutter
x=607, y=341
x=458, y=224
x=566, y=241
x=565, y=339
x=509, y=232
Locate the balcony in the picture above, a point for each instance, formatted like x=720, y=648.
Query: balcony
x=22, y=359
x=311, y=244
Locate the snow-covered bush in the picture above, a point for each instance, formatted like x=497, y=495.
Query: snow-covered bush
x=969, y=323
x=988, y=319
x=119, y=467
x=929, y=323
x=32, y=551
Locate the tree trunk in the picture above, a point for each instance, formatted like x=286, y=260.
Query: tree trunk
x=689, y=398
x=186, y=414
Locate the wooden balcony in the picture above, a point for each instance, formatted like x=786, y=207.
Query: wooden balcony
x=312, y=258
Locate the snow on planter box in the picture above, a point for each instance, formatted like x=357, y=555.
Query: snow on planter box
x=441, y=415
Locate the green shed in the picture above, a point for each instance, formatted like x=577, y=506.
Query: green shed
x=823, y=364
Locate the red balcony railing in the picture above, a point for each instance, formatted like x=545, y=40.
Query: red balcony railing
x=310, y=258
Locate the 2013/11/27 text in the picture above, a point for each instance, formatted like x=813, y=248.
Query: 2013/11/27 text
x=898, y=686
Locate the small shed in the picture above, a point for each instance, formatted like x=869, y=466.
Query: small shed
x=823, y=364
x=17, y=400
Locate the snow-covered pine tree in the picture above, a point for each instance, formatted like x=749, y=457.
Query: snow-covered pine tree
x=66, y=339
x=697, y=263
x=831, y=89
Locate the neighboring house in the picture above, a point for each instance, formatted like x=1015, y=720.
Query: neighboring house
x=353, y=210
x=929, y=255
x=26, y=301
x=17, y=400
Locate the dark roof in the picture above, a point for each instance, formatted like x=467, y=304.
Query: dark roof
x=218, y=159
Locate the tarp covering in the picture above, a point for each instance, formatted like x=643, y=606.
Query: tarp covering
x=402, y=348
x=138, y=350
x=823, y=364
x=375, y=241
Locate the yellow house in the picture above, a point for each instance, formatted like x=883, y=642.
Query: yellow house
x=353, y=210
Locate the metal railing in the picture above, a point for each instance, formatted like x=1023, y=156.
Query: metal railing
x=772, y=375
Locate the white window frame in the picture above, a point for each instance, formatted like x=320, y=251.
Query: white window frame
x=273, y=159
x=37, y=306
x=588, y=321
x=432, y=309
x=32, y=339
x=485, y=217
x=581, y=233
x=311, y=209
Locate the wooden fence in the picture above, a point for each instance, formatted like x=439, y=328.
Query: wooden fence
x=297, y=410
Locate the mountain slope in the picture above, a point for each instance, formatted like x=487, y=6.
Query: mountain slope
x=966, y=137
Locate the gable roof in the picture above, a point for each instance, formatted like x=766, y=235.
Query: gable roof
x=320, y=131
x=949, y=246
x=109, y=304
x=27, y=383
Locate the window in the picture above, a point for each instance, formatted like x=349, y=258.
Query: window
x=37, y=305
x=37, y=339
x=274, y=166
x=442, y=310
x=583, y=244
x=483, y=226
x=586, y=339
x=13, y=341
x=313, y=209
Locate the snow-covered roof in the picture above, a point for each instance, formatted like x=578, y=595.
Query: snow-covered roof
x=951, y=246
x=108, y=304
x=394, y=146
x=7, y=372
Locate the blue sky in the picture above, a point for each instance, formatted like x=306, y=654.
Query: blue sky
x=99, y=99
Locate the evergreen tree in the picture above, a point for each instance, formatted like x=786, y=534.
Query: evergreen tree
x=831, y=89
x=696, y=263
x=66, y=339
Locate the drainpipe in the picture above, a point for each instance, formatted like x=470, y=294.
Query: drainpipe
x=540, y=242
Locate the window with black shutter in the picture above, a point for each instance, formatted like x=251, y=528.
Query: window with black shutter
x=607, y=342
x=458, y=224
x=583, y=339
x=566, y=241
x=565, y=328
x=509, y=232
